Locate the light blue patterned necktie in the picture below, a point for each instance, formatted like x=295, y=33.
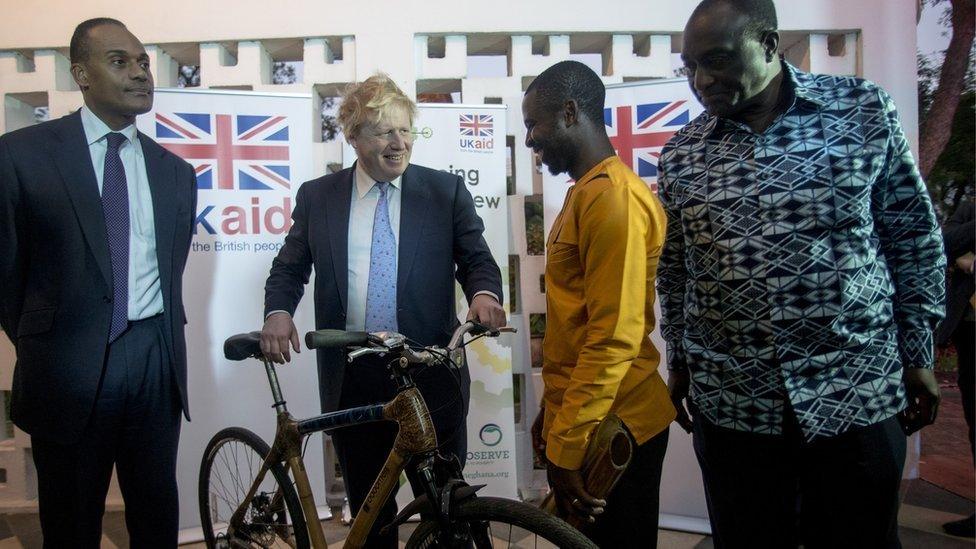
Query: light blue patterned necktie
x=381, y=306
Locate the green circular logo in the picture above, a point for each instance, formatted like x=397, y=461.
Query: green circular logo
x=490, y=435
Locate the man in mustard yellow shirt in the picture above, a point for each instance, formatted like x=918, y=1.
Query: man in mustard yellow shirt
x=601, y=259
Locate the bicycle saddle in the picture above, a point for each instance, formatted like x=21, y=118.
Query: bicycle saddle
x=243, y=346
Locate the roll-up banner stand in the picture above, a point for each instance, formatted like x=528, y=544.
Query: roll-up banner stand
x=250, y=151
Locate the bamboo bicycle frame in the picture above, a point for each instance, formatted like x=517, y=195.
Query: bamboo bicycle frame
x=416, y=435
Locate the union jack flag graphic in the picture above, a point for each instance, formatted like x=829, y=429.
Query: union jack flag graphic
x=477, y=125
x=639, y=132
x=245, y=152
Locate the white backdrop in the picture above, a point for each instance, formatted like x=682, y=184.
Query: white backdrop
x=469, y=140
x=251, y=152
x=640, y=118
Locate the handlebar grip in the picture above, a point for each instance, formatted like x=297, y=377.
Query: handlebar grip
x=326, y=339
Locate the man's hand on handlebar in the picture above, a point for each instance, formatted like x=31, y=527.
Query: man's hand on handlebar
x=278, y=331
x=486, y=310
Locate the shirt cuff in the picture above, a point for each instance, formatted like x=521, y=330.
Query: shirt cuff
x=676, y=359
x=565, y=456
x=275, y=312
x=486, y=292
x=917, y=348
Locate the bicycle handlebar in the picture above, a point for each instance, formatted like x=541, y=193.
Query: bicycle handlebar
x=385, y=342
x=327, y=339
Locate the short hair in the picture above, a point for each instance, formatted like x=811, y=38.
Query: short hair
x=367, y=102
x=760, y=14
x=80, y=49
x=571, y=80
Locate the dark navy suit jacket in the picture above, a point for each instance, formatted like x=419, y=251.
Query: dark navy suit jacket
x=959, y=234
x=56, y=274
x=440, y=240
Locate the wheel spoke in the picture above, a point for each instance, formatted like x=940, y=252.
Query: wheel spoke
x=231, y=469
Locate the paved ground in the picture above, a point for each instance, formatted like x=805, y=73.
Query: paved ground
x=946, y=456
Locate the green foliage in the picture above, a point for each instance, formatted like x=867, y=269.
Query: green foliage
x=955, y=170
x=283, y=72
x=928, y=79
x=330, y=124
x=189, y=76
x=537, y=324
x=534, y=226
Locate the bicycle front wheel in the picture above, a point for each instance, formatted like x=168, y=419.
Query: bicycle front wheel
x=506, y=522
x=230, y=464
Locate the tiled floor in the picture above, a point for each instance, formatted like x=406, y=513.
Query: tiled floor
x=666, y=539
x=924, y=508
x=945, y=492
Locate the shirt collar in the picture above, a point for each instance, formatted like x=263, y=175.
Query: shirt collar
x=805, y=86
x=365, y=183
x=95, y=129
x=600, y=167
x=802, y=84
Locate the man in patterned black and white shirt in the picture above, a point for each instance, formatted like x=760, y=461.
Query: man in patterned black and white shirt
x=800, y=284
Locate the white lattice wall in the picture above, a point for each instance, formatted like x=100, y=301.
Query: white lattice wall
x=425, y=46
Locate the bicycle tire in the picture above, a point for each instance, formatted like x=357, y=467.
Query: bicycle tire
x=247, y=451
x=509, y=514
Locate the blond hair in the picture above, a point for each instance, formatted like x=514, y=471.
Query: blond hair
x=367, y=103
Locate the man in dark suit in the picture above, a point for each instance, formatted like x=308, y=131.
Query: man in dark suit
x=386, y=239
x=95, y=224
x=959, y=325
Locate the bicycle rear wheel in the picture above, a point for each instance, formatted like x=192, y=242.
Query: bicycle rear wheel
x=230, y=464
x=509, y=523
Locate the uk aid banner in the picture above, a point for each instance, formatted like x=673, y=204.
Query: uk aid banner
x=250, y=152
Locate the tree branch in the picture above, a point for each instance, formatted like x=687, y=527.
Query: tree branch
x=937, y=126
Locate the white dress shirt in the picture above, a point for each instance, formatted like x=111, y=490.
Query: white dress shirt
x=145, y=296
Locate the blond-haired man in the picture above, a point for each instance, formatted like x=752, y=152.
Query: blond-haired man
x=387, y=239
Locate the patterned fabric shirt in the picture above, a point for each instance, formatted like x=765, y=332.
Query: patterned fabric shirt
x=803, y=266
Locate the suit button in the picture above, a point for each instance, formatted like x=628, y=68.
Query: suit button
x=342, y=316
x=106, y=299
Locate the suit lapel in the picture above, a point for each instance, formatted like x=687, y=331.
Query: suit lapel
x=337, y=203
x=162, y=175
x=412, y=218
x=78, y=175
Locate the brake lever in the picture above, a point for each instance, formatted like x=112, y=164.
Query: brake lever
x=479, y=329
x=418, y=357
x=363, y=351
x=447, y=357
x=495, y=332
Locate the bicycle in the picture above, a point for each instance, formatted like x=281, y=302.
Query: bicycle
x=242, y=506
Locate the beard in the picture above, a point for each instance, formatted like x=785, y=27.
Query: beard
x=559, y=155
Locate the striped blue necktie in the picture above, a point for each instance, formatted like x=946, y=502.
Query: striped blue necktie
x=381, y=306
x=115, y=207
